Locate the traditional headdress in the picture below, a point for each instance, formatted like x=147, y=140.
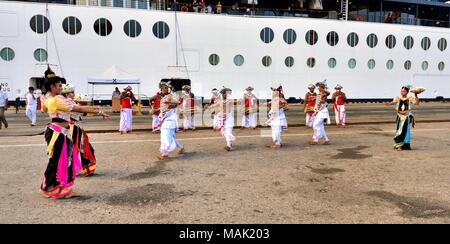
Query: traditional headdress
x=338, y=87
x=225, y=90
x=49, y=73
x=249, y=88
x=163, y=83
x=186, y=88
x=68, y=88
x=407, y=87
x=322, y=84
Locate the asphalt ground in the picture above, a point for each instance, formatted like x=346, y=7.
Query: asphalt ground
x=359, y=178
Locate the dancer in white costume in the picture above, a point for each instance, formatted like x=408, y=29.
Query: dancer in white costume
x=277, y=118
x=126, y=112
x=214, y=109
x=339, y=100
x=250, y=102
x=320, y=115
x=168, y=124
x=155, y=106
x=224, y=106
x=31, y=106
x=214, y=99
x=310, y=104
x=188, y=108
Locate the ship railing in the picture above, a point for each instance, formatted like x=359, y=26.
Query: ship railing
x=248, y=10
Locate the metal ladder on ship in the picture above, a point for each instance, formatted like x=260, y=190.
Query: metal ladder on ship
x=344, y=9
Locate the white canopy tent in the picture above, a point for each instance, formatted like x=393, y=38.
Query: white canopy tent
x=115, y=76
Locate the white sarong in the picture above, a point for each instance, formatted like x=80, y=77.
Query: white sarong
x=169, y=140
x=309, y=120
x=227, y=125
x=156, y=123
x=319, y=123
x=126, y=120
x=340, y=114
x=188, y=121
x=278, y=121
x=249, y=121
x=31, y=114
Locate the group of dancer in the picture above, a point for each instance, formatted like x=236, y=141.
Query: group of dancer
x=70, y=151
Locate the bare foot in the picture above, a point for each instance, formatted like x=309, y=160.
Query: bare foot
x=275, y=146
x=181, y=151
x=72, y=195
x=162, y=157
x=227, y=148
x=326, y=143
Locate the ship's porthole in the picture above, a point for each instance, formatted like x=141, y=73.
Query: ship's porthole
x=442, y=44
x=372, y=40
x=352, y=63
x=311, y=37
x=239, y=60
x=332, y=63
x=161, y=30
x=371, y=64
x=352, y=39
x=40, y=55
x=311, y=62
x=407, y=65
x=72, y=25
x=7, y=54
x=132, y=28
x=267, y=61
x=424, y=65
x=390, y=64
x=333, y=38
x=103, y=27
x=426, y=43
x=267, y=35
x=290, y=36
x=391, y=41
x=214, y=59
x=408, y=42
x=289, y=61
x=441, y=66
x=39, y=24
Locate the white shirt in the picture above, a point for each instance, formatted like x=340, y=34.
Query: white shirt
x=31, y=102
x=3, y=98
